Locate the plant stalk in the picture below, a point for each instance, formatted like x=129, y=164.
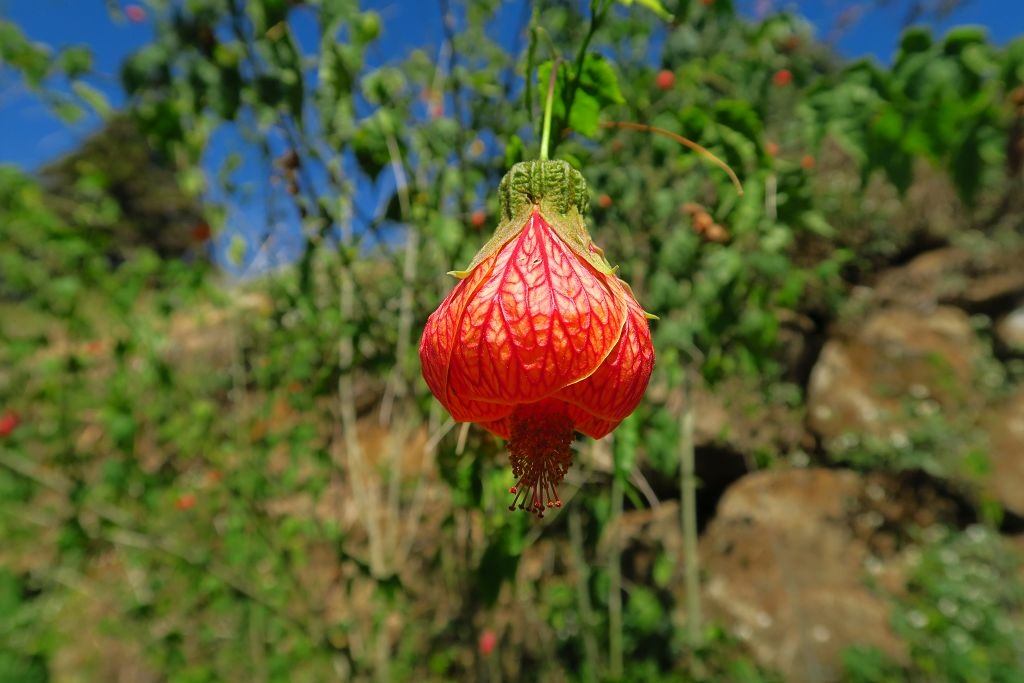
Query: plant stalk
x=688, y=486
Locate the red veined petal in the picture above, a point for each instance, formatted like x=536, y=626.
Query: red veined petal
x=605, y=398
x=542, y=319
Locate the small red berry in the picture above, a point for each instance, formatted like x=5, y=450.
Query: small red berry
x=807, y=162
x=665, y=79
x=9, y=421
x=771, y=148
x=478, y=218
x=185, y=502
x=604, y=201
x=488, y=641
x=135, y=14
x=782, y=77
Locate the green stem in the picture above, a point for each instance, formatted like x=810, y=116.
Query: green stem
x=688, y=483
x=549, y=101
x=615, y=658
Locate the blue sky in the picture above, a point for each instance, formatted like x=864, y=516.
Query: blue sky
x=31, y=135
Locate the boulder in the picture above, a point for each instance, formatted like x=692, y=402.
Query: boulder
x=862, y=383
x=1004, y=424
x=786, y=572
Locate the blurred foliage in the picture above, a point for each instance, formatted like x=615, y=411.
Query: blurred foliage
x=252, y=482
x=960, y=617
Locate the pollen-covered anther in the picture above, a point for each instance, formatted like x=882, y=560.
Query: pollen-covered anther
x=540, y=450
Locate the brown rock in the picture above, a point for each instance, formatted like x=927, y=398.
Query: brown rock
x=861, y=384
x=786, y=572
x=986, y=281
x=1010, y=331
x=1004, y=424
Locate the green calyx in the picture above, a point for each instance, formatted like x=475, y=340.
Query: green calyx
x=553, y=185
x=559, y=193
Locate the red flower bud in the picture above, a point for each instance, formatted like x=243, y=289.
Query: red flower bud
x=782, y=77
x=9, y=421
x=539, y=338
x=135, y=14
x=488, y=641
x=665, y=79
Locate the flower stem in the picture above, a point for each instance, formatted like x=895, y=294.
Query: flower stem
x=549, y=101
x=688, y=484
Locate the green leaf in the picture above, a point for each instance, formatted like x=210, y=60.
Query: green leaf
x=915, y=40
x=75, y=61
x=653, y=5
x=959, y=38
x=93, y=97
x=966, y=165
x=598, y=87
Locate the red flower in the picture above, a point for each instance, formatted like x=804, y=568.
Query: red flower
x=135, y=14
x=771, y=148
x=605, y=202
x=488, y=641
x=782, y=77
x=807, y=162
x=185, y=502
x=9, y=421
x=665, y=79
x=539, y=338
x=478, y=218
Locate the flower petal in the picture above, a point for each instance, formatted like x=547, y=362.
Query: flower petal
x=438, y=341
x=606, y=397
x=542, y=319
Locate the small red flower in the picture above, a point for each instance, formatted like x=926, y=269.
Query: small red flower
x=605, y=202
x=9, y=421
x=782, y=77
x=185, y=501
x=135, y=14
x=488, y=641
x=539, y=338
x=807, y=162
x=478, y=218
x=665, y=79
x=771, y=148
